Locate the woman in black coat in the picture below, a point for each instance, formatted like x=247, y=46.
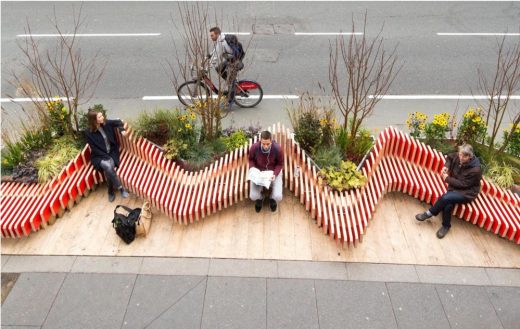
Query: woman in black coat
x=104, y=156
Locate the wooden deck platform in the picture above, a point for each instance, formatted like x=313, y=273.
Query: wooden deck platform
x=289, y=234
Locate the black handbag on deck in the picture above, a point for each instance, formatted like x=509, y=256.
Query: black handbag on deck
x=125, y=224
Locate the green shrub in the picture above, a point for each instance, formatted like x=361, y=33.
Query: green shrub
x=162, y=125
x=15, y=152
x=199, y=157
x=12, y=155
x=513, y=147
x=343, y=178
x=218, y=146
x=328, y=156
x=58, y=116
x=472, y=128
x=502, y=174
x=354, y=149
x=436, y=130
x=308, y=131
x=62, y=151
x=416, y=123
x=175, y=149
x=235, y=140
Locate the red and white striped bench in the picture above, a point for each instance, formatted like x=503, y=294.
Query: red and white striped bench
x=397, y=162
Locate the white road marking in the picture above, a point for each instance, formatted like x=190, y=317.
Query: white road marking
x=91, y=35
x=238, y=33
x=17, y=100
x=436, y=97
x=328, y=33
x=158, y=98
x=477, y=34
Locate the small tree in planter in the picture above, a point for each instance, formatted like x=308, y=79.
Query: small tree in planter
x=360, y=72
x=503, y=83
x=61, y=70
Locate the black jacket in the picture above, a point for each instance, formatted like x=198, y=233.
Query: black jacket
x=97, y=143
x=464, y=179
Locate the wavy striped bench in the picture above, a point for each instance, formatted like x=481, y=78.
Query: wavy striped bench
x=396, y=162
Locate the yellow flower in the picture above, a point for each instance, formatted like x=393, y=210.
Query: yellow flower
x=187, y=126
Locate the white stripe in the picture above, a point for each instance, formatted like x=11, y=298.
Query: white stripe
x=8, y=100
x=238, y=33
x=91, y=35
x=478, y=34
x=439, y=97
x=328, y=33
x=157, y=98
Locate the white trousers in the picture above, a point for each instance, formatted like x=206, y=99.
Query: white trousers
x=255, y=191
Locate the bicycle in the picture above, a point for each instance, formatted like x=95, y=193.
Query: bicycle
x=248, y=93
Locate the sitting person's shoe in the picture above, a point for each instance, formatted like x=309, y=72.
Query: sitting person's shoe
x=258, y=205
x=111, y=196
x=441, y=233
x=272, y=204
x=124, y=193
x=423, y=216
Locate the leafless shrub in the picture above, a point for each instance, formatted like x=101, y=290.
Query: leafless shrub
x=360, y=71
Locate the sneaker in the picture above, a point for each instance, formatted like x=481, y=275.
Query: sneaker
x=423, y=216
x=441, y=233
x=111, y=196
x=258, y=205
x=272, y=204
x=124, y=193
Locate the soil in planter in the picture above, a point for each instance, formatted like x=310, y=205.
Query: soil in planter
x=159, y=136
x=26, y=172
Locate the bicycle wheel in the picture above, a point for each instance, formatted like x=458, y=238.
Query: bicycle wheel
x=191, y=91
x=248, y=93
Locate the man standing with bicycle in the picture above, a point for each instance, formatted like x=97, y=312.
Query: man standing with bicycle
x=226, y=58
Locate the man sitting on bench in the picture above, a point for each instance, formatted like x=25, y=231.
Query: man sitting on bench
x=462, y=173
x=266, y=155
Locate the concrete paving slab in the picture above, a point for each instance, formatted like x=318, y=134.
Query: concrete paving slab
x=20, y=264
x=504, y=276
x=8, y=282
x=506, y=301
x=452, y=275
x=291, y=303
x=31, y=299
x=20, y=327
x=4, y=258
x=382, y=272
x=175, y=266
x=160, y=301
x=417, y=305
x=312, y=270
x=186, y=314
x=243, y=268
x=235, y=303
x=91, y=300
x=88, y=264
x=468, y=307
x=354, y=304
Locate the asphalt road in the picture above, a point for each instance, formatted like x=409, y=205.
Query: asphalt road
x=284, y=63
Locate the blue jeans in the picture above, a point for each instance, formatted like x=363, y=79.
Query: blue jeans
x=446, y=203
x=108, y=167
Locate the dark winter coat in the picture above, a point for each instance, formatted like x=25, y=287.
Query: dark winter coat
x=97, y=143
x=464, y=179
x=262, y=161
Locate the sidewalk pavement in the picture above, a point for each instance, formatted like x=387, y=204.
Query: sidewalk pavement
x=151, y=292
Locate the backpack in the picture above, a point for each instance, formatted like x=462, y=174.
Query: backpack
x=236, y=47
x=125, y=224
